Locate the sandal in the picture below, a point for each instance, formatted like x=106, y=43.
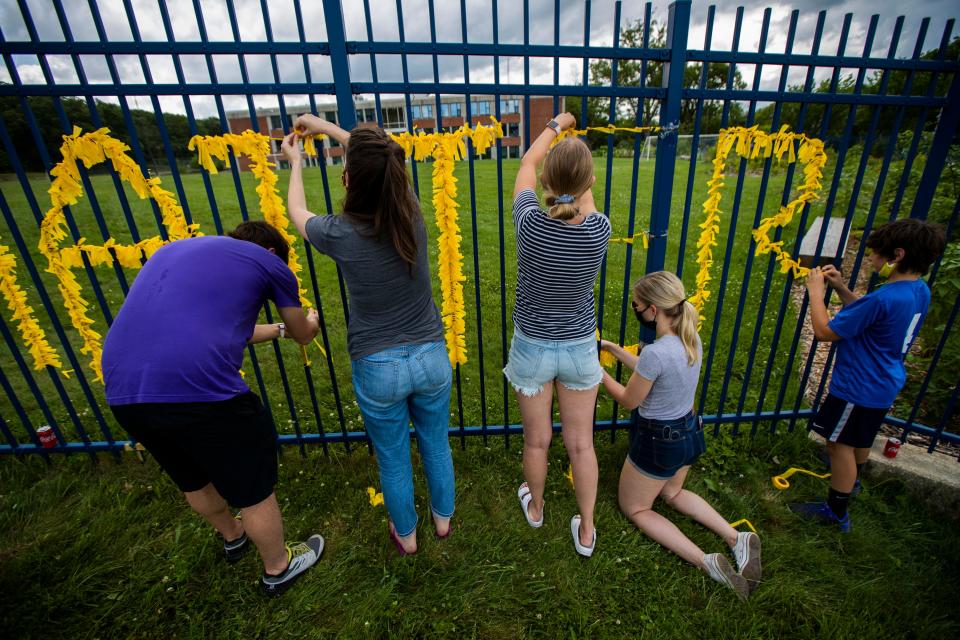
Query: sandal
x=586, y=552
x=525, y=499
x=396, y=541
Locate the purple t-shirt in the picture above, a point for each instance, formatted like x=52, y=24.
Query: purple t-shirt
x=181, y=333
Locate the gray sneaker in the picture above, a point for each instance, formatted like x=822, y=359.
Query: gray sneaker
x=300, y=557
x=746, y=552
x=718, y=567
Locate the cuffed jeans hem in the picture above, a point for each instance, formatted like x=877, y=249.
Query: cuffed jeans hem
x=647, y=473
x=416, y=520
x=440, y=515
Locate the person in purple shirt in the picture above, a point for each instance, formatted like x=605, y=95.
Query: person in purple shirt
x=171, y=365
x=873, y=335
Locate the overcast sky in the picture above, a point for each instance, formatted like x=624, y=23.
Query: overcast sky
x=416, y=26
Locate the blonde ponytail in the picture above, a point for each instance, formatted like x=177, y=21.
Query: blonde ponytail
x=664, y=290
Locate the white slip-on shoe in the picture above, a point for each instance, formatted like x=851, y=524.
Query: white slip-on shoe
x=746, y=552
x=586, y=552
x=525, y=499
x=718, y=568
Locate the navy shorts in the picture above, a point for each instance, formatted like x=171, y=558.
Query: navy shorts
x=660, y=448
x=847, y=423
x=231, y=443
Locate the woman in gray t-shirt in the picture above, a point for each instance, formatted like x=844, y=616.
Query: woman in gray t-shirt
x=667, y=436
x=401, y=371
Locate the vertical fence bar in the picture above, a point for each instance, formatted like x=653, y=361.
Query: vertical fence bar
x=501, y=231
x=678, y=27
x=715, y=325
x=340, y=63
x=631, y=217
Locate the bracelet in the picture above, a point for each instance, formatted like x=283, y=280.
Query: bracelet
x=283, y=329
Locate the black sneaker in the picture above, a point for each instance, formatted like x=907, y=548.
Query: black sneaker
x=300, y=557
x=234, y=549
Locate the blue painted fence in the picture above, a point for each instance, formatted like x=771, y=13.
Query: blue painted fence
x=758, y=360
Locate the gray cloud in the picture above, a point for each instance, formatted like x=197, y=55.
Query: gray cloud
x=251, y=27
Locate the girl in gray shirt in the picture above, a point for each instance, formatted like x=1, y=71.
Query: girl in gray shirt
x=667, y=436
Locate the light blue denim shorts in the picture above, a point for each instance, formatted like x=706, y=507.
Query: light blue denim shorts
x=533, y=363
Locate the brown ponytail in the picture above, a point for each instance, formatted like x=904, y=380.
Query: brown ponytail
x=567, y=174
x=379, y=194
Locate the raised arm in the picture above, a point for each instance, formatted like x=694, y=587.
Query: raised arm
x=296, y=200
x=527, y=176
x=308, y=124
x=819, y=318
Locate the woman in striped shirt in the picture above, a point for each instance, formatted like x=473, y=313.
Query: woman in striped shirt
x=559, y=253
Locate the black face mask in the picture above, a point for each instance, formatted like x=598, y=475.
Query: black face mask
x=649, y=324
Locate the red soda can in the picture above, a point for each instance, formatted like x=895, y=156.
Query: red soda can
x=47, y=437
x=892, y=447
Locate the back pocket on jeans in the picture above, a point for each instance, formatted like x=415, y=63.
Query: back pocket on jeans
x=670, y=455
x=377, y=380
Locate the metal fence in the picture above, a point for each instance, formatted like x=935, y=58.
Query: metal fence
x=889, y=122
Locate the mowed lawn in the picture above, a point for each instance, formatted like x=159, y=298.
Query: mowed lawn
x=490, y=269
x=112, y=551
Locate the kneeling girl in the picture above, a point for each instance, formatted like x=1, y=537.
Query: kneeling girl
x=667, y=436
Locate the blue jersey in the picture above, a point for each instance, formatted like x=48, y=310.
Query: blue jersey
x=877, y=331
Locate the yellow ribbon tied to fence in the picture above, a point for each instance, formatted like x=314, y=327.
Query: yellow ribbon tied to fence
x=751, y=143
x=22, y=313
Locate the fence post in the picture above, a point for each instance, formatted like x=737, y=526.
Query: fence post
x=678, y=24
x=943, y=137
x=340, y=63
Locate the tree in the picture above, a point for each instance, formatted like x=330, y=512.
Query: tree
x=629, y=74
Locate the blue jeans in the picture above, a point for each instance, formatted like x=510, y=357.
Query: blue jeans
x=393, y=387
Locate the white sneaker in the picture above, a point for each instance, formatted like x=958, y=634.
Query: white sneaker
x=746, y=552
x=300, y=557
x=718, y=568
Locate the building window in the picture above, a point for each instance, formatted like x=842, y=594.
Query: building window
x=512, y=130
x=451, y=109
x=330, y=116
x=393, y=118
x=421, y=111
x=481, y=108
x=276, y=122
x=367, y=115
x=510, y=106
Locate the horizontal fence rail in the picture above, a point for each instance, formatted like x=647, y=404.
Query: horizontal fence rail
x=889, y=122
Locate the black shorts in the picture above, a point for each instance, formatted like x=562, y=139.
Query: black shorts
x=231, y=444
x=847, y=423
x=660, y=448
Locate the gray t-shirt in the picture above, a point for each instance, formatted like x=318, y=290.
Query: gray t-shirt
x=674, y=381
x=388, y=307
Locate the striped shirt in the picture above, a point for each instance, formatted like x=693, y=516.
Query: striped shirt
x=557, y=266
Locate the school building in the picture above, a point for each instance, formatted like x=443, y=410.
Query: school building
x=422, y=115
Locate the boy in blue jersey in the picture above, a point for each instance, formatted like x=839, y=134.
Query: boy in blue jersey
x=873, y=335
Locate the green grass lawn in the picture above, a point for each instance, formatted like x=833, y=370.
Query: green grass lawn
x=112, y=551
x=474, y=406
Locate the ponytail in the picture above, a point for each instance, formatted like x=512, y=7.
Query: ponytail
x=379, y=194
x=685, y=326
x=567, y=174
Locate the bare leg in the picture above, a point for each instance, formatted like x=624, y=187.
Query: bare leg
x=637, y=493
x=690, y=504
x=862, y=454
x=576, y=415
x=537, y=415
x=265, y=527
x=843, y=467
x=211, y=505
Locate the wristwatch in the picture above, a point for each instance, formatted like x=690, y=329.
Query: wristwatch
x=283, y=329
x=553, y=124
